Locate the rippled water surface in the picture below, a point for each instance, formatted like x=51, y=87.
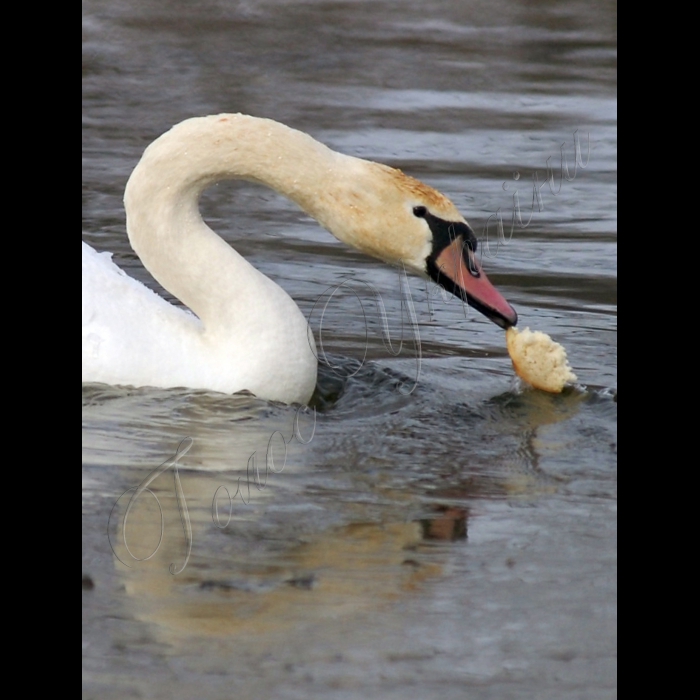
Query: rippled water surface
x=457, y=541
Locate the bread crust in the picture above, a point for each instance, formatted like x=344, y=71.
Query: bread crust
x=539, y=360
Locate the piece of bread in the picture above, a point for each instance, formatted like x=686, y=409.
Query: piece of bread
x=539, y=360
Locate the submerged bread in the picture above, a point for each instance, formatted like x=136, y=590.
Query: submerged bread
x=539, y=360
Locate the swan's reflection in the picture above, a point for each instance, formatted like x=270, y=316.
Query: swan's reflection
x=275, y=587
x=288, y=558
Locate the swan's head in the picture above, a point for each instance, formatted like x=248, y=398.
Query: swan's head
x=401, y=220
x=453, y=263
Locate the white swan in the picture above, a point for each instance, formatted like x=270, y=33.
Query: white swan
x=245, y=332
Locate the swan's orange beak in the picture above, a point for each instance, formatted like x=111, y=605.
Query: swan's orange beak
x=457, y=270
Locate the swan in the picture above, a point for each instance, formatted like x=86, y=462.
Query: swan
x=241, y=331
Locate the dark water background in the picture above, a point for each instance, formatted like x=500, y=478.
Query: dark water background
x=456, y=542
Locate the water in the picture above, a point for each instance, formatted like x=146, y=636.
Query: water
x=455, y=542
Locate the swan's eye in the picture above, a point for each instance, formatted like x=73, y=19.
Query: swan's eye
x=420, y=212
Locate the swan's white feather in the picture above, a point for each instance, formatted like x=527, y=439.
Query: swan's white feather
x=129, y=330
x=132, y=336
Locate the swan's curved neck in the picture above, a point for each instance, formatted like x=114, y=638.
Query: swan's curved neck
x=162, y=202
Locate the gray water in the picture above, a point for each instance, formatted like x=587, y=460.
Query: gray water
x=457, y=541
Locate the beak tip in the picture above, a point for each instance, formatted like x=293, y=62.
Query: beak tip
x=505, y=321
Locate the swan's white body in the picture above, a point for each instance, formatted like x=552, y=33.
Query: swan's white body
x=243, y=331
x=133, y=336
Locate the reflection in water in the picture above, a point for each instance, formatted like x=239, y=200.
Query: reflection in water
x=450, y=525
x=273, y=586
x=357, y=567
x=535, y=410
